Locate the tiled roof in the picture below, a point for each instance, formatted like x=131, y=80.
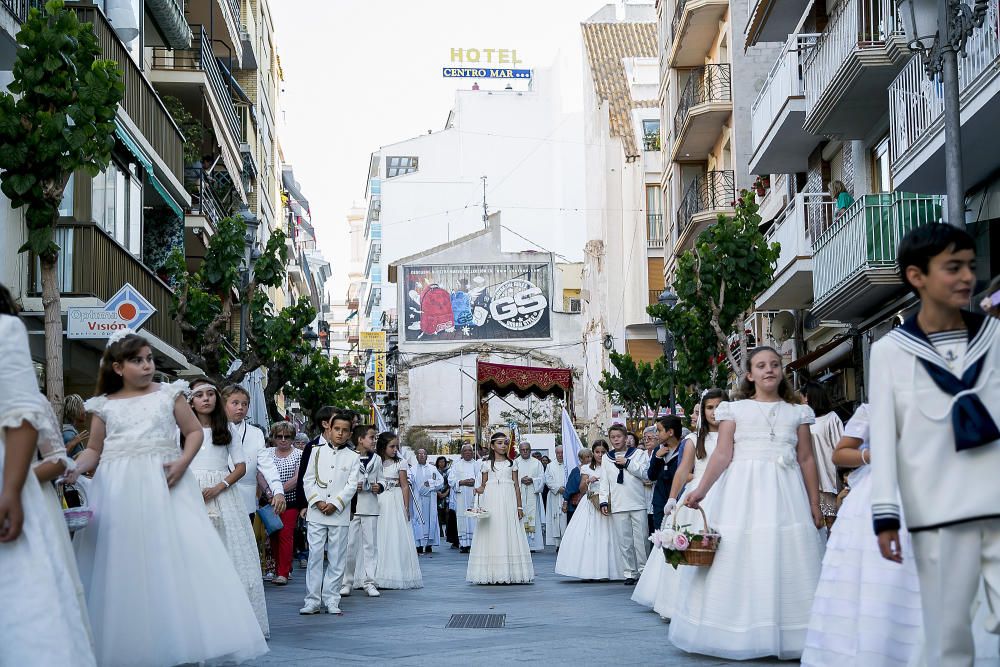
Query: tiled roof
x=607, y=45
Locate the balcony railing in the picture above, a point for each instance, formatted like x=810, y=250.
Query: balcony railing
x=85, y=246
x=710, y=83
x=19, y=8
x=201, y=58
x=678, y=14
x=917, y=104
x=865, y=236
x=141, y=103
x=710, y=191
x=859, y=25
x=204, y=201
x=654, y=230
x=783, y=81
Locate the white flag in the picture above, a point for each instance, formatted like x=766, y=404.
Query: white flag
x=570, y=443
x=379, y=419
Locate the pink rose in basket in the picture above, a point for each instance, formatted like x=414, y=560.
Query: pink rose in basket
x=681, y=542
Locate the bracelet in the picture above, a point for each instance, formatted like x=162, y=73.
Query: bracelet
x=226, y=483
x=869, y=461
x=519, y=507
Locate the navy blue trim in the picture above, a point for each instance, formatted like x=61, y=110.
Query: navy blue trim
x=888, y=523
x=945, y=524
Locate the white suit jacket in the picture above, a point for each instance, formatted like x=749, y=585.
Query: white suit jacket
x=250, y=447
x=332, y=476
x=630, y=495
x=371, y=474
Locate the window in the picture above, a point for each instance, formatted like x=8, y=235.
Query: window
x=398, y=166
x=117, y=205
x=881, y=175
x=651, y=134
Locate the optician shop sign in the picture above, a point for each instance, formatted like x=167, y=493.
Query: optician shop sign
x=126, y=309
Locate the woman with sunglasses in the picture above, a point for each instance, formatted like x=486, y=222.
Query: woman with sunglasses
x=286, y=459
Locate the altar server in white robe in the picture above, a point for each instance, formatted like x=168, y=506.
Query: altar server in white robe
x=427, y=481
x=466, y=476
x=555, y=518
x=531, y=474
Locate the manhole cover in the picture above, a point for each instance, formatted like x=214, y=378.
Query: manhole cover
x=479, y=621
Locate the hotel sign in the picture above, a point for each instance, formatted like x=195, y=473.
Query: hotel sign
x=485, y=73
x=485, y=56
x=485, y=64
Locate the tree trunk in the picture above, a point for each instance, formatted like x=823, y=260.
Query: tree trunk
x=54, y=386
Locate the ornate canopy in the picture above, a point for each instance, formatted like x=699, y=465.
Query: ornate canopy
x=504, y=379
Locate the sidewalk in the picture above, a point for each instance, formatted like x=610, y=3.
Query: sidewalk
x=554, y=621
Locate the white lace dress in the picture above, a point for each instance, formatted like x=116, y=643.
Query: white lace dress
x=499, y=553
x=228, y=514
x=755, y=599
x=161, y=588
x=43, y=616
x=589, y=548
x=397, y=566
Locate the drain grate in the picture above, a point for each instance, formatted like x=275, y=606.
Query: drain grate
x=477, y=621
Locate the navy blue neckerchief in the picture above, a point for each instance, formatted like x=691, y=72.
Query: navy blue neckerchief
x=970, y=420
x=621, y=471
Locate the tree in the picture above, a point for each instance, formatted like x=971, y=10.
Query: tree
x=318, y=380
x=58, y=117
x=716, y=283
x=417, y=437
x=638, y=386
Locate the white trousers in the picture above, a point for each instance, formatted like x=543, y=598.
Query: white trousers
x=363, y=541
x=324, y=588
x=950, y=562
x=632, y=533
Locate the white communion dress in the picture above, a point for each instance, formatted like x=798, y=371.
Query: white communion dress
x=657, y=586
x=589, y=548
x=397, y=566
x=161, y=588
x=755, y=599
x=227, y=512
x=43, y=616
x=499, y=553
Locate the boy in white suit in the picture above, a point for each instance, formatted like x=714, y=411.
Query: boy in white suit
x=364, y=524
x=330, y=482
x=935, y=442
x=624, y=469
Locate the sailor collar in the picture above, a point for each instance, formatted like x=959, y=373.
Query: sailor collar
x=911, y=338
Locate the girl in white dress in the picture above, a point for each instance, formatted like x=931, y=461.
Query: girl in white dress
x=223, y=502
x=161, y=588
x=397, y=567
x=499, y=553
x=754, y=600
x=589, y=548
x=698, y=448
x=826, y=433
x=43, y=619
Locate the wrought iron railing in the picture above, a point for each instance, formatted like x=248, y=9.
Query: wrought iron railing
x=204, y=201
x=678, y=13
x=654, y=230
x=710, y=83
x=19, y=8
x=714, y=190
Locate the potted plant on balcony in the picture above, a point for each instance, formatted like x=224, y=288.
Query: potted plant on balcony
x=760, y=186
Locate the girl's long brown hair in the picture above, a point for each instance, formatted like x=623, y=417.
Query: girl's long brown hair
x=711, y=394
x=109, y=382
x=747, y=388
x=598, y=443
x=221, y=435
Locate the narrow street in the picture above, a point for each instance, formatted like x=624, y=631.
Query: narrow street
x=555, y=621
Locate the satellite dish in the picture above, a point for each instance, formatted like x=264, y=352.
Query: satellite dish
x=810, y=321
x=782, y=327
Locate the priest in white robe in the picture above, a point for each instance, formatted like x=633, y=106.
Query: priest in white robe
x=466, y=476
x=531, y=474
x=555, y=518
x=426, y=481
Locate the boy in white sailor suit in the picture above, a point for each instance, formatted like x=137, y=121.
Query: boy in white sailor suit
x=364, y=522
x=935, y=442
x=624, y=471
x=330, y=482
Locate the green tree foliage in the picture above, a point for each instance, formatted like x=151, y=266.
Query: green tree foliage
x=318, y=380
x=637, y=386
x=716, y=283
x=193, y=130
x=57, y=118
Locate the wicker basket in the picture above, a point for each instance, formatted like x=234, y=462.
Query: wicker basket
x=701, y=553
x=77, y=518
x=476, y=511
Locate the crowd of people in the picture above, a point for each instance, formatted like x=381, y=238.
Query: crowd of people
x=871, y=543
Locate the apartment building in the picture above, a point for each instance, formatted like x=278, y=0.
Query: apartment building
x=846, y=105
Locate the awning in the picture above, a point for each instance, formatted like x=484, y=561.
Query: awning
x=824, y=355
x=147, y=164
x=503, y=379
x=169, y=17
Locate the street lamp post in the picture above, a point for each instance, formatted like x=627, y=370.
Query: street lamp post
x=938, y=30
x=666, y=340
x=250, y=256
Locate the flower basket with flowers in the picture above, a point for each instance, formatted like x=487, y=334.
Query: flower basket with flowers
x=686, y=547
x=477, y=511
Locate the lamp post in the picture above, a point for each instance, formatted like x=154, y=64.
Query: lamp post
x=310, y=336
x=938, y=31
x=666, y=339
x=250, y=255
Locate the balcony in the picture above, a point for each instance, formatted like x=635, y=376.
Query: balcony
x=18, y=9
x=141, y=103
x=916, y=116
x=780, y=145
x=854, y=271
x=693, y=30
x=655, y=232
x=707, y=197
x=773, y=20
x=374, y=299
x=374, y=212
x=806, y=217
x=85, y=246
x=847, y=73
x=223, y=16
x=705, y=105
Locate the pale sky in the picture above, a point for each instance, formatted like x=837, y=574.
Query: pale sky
x=360, y=74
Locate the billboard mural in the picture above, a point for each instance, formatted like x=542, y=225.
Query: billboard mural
x=476, y=302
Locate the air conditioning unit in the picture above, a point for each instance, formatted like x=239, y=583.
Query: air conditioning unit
x=575, y=306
